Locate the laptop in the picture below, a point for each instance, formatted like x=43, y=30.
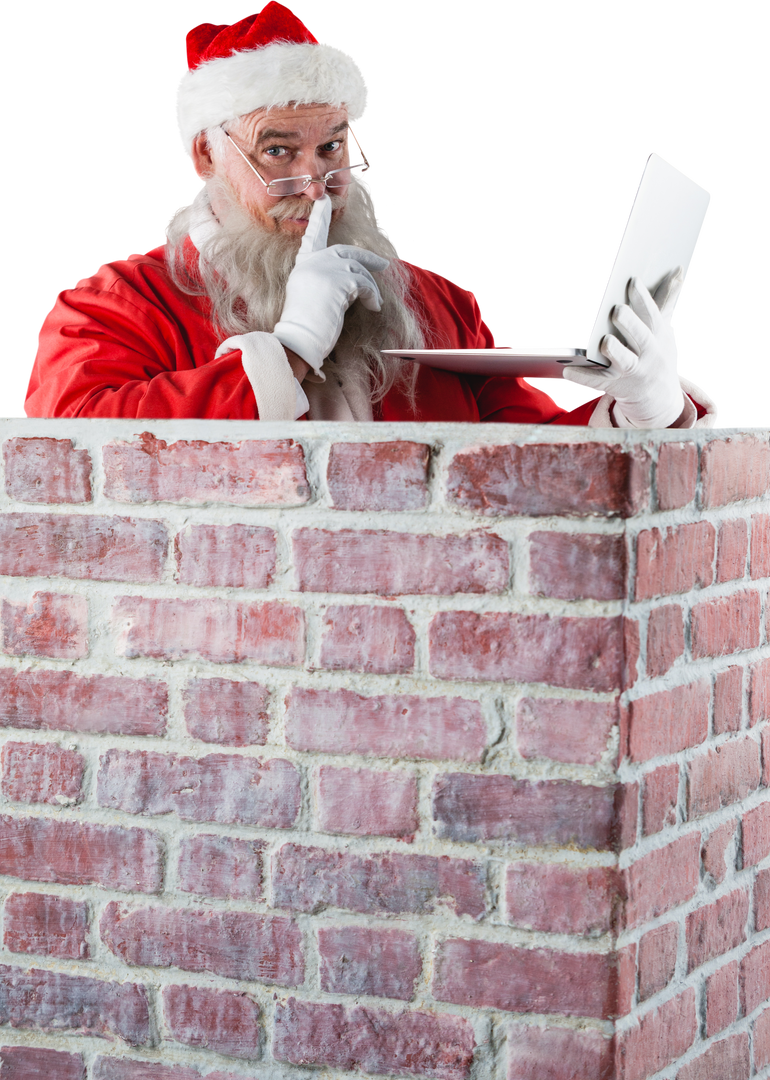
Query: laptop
x=661, y=234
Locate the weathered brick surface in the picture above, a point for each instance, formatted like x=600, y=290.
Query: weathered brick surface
x=715, y=850
x=754, y=976
x=659, y=801
x=80, y=853
x=305, y=878
x=733, y=546
x=223, y=631
x=762, y=1040
x=470, y=807
x=657, y=959
x=721, y=998
x=626, y=979
x=756, y=834
x=729, y=625
x=53, y=1001
x=365, y=802
x=392, y=563
x=369, y=960
x=663, y=879
x=584, y=654
x=252, y=473
x=722, y=776
x=227, y=713
x=41, y=773
x=728, y=700
x=564, y=730
x=49, y=925
x=235, y=944
x=378, y=476
x=49, y=625
x=557, y=1053
x=378, y=639
x=760, y=546
x=734, y=469
x=572, y=566
x=665, y=639
x=112, y=1068
x=582, y=479
x=221, y=866
x=46, y=471
x=560, y=899
x=220, y=1020
x=762, y=900
x=398, y=726
x=669, y=721
x=35, y=1063
x=661, y=1036
x=716, y=928
x=486, y=974
x=90, y=547
x=238, y=556
x=674, y=560
x=676, y=474
x=728, y=1059
x=65, y=701
x=374, y=1041
x=759, y=692
x=226, y=788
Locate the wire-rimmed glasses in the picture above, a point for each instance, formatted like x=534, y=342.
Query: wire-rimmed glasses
x=295, y=185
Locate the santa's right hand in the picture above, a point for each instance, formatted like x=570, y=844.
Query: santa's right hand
x=323, y=284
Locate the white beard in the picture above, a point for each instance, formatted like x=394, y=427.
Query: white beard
x=243, y=269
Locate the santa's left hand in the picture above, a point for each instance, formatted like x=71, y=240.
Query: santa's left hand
x=642, y=374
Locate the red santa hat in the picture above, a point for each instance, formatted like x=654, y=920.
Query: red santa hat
x=269, y=59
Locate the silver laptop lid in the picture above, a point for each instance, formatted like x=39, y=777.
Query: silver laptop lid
x=661, y=234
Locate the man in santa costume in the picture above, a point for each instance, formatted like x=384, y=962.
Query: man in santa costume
x=276, y=292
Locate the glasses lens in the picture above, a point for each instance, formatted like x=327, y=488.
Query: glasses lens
x=292, y=185
x=341, y=178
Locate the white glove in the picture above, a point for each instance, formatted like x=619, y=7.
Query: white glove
x=642, y=375
x=323, y=284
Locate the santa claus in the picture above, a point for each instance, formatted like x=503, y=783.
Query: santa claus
x=276, y=292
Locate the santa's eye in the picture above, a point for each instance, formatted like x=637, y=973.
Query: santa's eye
x=332, y=147
x=275, y=151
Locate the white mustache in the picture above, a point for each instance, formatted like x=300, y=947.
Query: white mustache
x=291, y=206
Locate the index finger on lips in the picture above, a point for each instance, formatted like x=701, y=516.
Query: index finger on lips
x=317, y=231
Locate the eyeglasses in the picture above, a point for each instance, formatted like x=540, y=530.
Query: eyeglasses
x=295, y=185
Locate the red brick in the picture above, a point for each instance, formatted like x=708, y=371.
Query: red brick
x=724, y=775
x=46, y=471
x=41, y=773
x=564, y=729
x=223, y=631
x=665, y=639
x=82, y=546
x=756, y=834
x=716, y=928
x=33, y=1063
x=762, y=900
x=766, y=757
x=64, y=701
x=662, y=879
x=221, y=1020
x=759, y=692
x=77, y=853
x=715, y=851
x=657, y=959
x=398, y=725
x=378, y=476
x=369, y=960
x=264, y=472
x=560, y=899
x=584, y=654
x=728, y=1060
x=762, y=1040
x=365, y=802
x=226, y=788
x=755, y=977
x=374, y=1041
x=721, y=998
x=308, y=878
x=669, y=721
x=732, y=549
x=52, y=925
x=734, y=469
x=674, y=560
x=369, y=639
x=582, y=479
x=221, y=866
x=235, y=556
x=552, y=1053
x=728, y=625
x=728, y=700
x=760, y=546
x=626, y=979
x=234, y=944
x=487, y=974
x=661, y=794
x=676, y=474
x=493, y=807
x=112, y=1068
x=627, y=804
x=573, y=566
x=52, y=1001
x=49, y=625
x=661, y=1036
x=392, y=563
x=227, y=713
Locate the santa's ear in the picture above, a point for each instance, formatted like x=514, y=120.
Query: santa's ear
x=201, y=156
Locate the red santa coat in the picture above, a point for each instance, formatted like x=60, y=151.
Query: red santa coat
x=127, y=343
